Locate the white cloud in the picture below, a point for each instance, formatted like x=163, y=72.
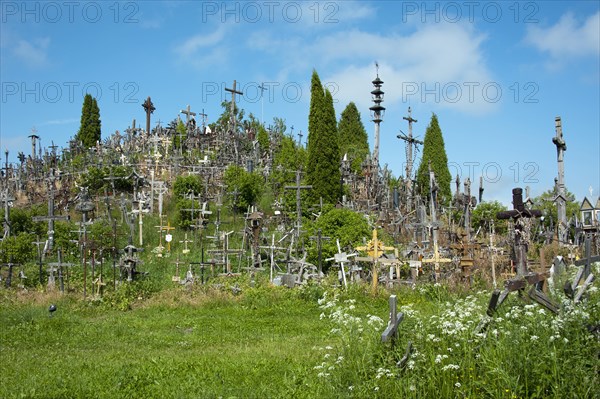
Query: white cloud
x=32, y=53
x=191, y=46
x=568, y=38
x=441, y=64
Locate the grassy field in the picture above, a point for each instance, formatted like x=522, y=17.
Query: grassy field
x=312, y=342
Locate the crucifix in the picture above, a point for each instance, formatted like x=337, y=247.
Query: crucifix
x=300, y=135
x=524, y=277
x=188, y=115
x=149, y=108
x=561, y=200
x=298, y=187
x=33, y=136
x=203, y=116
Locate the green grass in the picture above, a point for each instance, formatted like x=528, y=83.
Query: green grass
x=271, y=342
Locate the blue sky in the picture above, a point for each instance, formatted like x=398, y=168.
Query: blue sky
x=495, y=73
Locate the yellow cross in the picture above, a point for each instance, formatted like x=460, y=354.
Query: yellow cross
x=375, y=250
x=167, y=229
x=436, y=259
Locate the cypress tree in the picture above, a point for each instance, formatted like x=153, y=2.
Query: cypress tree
x=434, y=151
x=316, y=106
x=323, y=169
x=353, y=139
x=90, y=128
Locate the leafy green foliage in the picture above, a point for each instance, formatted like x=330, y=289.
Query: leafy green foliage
x=339, y=223
x=545, y=203
x=20, y=220
x=486, y=212
x=287, y=159
x=353, y=137
x=435, y=151
x=185, y=185
x=90, y=128
x=248, y=186
x=17, y=248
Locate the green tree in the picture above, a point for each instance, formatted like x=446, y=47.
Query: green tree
x=17, y=248
x=323, y=169
x=353, y=137
x=243, y=187
x=435, y=151
x=338, y=223
x=485, y=213
x=90, y=128
x=545, y=203
x=186, y=184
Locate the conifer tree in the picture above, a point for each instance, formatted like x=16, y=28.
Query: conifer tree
x=353, y=137
x=323, y=169
x=90, y=128
x=434, y=151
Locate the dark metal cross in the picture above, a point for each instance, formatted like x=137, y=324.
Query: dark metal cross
x=524, y=277
x=149, y=108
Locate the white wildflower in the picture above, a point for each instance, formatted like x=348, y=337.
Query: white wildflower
x=534, y=337
x=457, y=385
x=450, y=367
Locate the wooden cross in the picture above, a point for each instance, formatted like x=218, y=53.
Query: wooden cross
x=176, y=278
x=168, y=228
x=50, y=218
x=298, y=187
x=59, y=267
x=185, y=245
x=272, y=249
x=341, y=258
x=140, y=211
x=524, y=277
x=10, y=264
x=188, y=114
x=392, y=328
x=374, y=249
x=319, y=239
x=233, y=92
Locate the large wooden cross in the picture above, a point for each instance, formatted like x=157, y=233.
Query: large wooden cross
x=50, y=218
x=233, y=92
x=298, y=187
x=524, y=277
x=375, y=249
